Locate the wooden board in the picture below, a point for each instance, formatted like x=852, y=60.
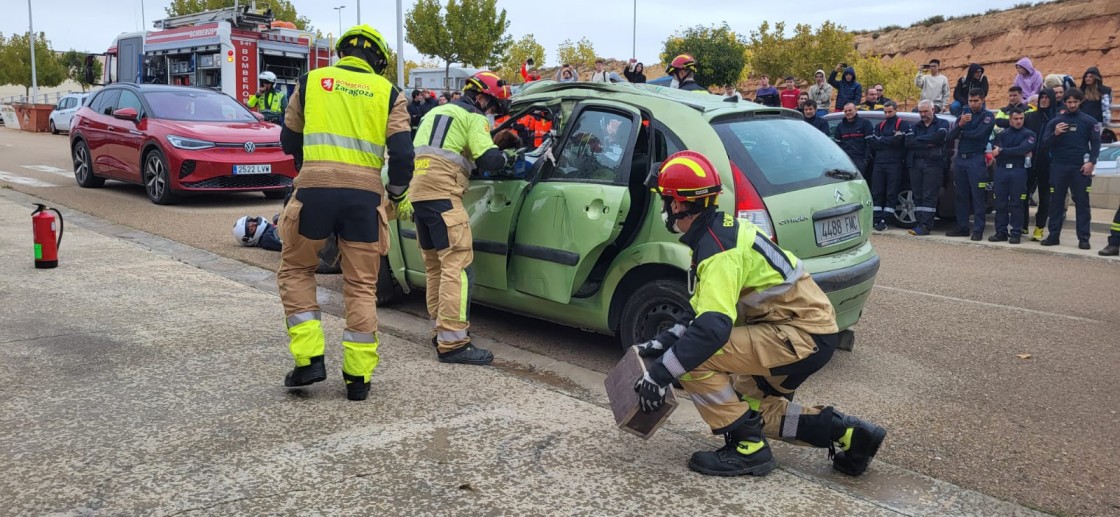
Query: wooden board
x=624, y=400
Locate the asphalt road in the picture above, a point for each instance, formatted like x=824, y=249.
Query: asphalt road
x=937, y=360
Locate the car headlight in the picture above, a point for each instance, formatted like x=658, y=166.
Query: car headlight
x=191, y=144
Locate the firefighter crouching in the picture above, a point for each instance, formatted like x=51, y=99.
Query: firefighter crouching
x=452, y=139
x=760, y=326
x=339, y=124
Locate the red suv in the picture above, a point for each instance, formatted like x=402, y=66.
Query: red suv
x=174, y=139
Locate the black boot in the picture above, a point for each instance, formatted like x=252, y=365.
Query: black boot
x=305, y=375
x=746, y=452
x=467, y=355
x=356, y=386
x=858, y=440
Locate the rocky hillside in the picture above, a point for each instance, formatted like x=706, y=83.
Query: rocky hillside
x=1063, y=37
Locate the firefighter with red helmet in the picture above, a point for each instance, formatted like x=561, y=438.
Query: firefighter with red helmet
x=683, y=69
x=453, y=139
x=759, y=327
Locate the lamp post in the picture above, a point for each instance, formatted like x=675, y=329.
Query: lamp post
x=359, y=12
x=31, y=33
x=339, y=9
x=634, y=47
x=400, y=46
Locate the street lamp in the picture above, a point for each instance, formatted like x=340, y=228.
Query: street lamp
x=339, y=9
x=400, y=46
x=31, y=33
x=359, y=12
x=634, y=48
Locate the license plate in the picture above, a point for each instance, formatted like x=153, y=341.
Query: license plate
x=252, y=169
x=837, y=229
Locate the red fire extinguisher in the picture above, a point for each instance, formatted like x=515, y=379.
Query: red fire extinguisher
x=46, y=247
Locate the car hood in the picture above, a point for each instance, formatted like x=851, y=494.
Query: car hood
x=235, y=132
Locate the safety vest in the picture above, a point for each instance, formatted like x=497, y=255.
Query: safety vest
x=449, y=139
x=346, y=114
x=272, y=101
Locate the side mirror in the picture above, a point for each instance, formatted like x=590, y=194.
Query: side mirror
x=126, y=114
x=259, y=115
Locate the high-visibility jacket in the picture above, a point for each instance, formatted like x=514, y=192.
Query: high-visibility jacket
x=271, y=101
x=350, y=140
x=450, y=138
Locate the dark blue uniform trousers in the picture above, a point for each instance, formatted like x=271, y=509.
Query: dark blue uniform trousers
x=1011, y=197
x=1065, y=177
x=886, y=181
x=926, y=177
x=970, y=177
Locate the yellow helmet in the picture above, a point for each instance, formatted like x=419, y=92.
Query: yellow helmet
x=363, y=37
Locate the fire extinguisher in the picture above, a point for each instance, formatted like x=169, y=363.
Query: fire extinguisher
x=46, y=247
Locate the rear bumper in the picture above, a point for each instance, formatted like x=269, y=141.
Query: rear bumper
x=849, y=288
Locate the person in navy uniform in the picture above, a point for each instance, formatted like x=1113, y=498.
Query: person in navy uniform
x=1073, y=139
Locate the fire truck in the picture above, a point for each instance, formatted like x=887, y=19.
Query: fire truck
x=224, y=49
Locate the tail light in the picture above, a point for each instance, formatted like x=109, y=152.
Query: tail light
x=749, y=205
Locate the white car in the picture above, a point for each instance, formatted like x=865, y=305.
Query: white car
x=64, y=111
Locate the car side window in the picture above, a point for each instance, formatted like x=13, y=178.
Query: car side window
x=66, y=103
x=130, y=100
x=104, y=102
x=595, y=150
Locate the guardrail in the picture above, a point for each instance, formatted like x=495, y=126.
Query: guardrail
x=45, y=98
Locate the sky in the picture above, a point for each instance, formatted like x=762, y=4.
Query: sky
x=91, y=25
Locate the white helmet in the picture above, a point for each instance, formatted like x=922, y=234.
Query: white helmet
x=243, y=237
x=267, y=76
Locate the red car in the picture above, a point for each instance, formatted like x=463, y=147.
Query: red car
x=174, y=139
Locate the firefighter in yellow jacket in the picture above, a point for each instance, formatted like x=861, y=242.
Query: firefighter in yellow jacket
x=453, y=139
x=759, y=328
x=340, y=124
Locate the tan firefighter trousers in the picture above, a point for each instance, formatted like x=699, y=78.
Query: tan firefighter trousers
x=444, y=233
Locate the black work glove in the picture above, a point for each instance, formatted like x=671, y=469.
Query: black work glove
x=651, y=348
x=651, y=395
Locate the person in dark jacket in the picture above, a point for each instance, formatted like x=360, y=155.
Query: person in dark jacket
x=975, y=78
x=970, y=175
x=852, y=135
x=847, y=89
x=889, y=143
x=809, y=109
x=635, y=73
x=926, y=142
x=1038, y=174
x=1011, y=149
x=1098, y=97
x=1074, y=141
x=767, y=95
x=683, y=69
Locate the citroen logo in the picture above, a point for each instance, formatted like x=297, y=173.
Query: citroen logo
x=250, y=147
x=839, y=196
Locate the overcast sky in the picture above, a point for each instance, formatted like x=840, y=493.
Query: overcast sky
x=91, y=25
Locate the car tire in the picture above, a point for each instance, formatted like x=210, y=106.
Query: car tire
x=83, y=166
x=157, y=180
x=651, y=309
x=905, y=212
x=275, y=195
x=54, y=129
x=388, y=290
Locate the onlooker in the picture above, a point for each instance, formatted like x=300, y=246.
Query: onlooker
x=529, y=74
x=635, y=72
x=1038, y=174
x=455, y=96
x=766, y=94
x=418, y=107
x=567, y=74
x=1029, y=79
x=847, y=89
x=790, y=94
x=975, y=78
x=871, y=102
x=1014, y=101
x=883, y=99
x=802, y=98
x=444, y=99
x=1011, y=149
x=1074, y=142
x=1098, y=97
x=600, y=75
x=970, y=174
x=809, y=109
x=731, y=94
x=851, y=134
x=889, y=144
x=935, y=87
x=926, y=142
x=821, y=93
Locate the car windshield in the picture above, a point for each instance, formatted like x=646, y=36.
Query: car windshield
x=197, y=105
x=782, y=154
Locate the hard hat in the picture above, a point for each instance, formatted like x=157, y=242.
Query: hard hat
x=489, y=83
x=363, y=36
x=689, y=176
x=242, y=235
x=682, y=62
x=267, y=76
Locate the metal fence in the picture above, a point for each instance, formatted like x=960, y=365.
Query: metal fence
x=45, y=98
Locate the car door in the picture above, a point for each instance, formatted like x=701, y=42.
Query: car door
x=97, y=130
x=128, y=137
x=62, y=113
x=577, y=207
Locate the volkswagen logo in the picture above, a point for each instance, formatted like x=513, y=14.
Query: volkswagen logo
x=839, y=195
x=250, y=147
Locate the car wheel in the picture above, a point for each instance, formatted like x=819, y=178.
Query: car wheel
x=83, y=167
x=906, y=212
x=274, y=195
x=54, y=129
x=157, y=182
x=388, y=289
x=651, y=309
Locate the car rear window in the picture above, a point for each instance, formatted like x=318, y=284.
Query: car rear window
x=197, y=105
x=781, y=154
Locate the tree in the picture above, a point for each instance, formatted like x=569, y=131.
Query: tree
x=720, y=54
x=16, y=58
x=802, y=54
x=281, y=9
x=897, y=77
x=471, y=32
x=75, y=63
x=580, y=54
x=516, y=54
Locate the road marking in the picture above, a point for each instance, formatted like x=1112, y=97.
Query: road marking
x=20, y=180
x=49, y=169
x=986, y=304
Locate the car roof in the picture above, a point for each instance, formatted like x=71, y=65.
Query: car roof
x=160, y=87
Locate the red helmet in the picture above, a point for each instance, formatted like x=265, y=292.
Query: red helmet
x=489, y=83
x=689, y=176
x=682, y=62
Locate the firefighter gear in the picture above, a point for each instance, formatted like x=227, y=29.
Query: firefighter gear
x=1011, y=181
x=1068, y=153
x=1113, y=247
x=927, y=169
x=970, y=173
x=339, y=124
x=889, y=144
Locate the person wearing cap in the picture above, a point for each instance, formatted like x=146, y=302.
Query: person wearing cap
x=758, y=327
x=342, y=124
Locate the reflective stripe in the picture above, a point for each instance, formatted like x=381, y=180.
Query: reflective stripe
x=351, y=336
x=448, y=336
x=344, y=142
x=888, y=210
x=464, y=286
x=982, y=184
x=757, y=297
x=789, y=423
x=925, y=209
x=439, y=131
x=304, y=317
x=773, y=255
x=725, y=395
x=877, y=208
x=457, y=158
x=1116, y=227
x=688, y=377
x=671, y=363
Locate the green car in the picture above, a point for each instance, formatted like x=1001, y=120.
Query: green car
x=572, y=232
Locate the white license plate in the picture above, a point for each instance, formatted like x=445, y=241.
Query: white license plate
x=252, y=169
x=837, y=229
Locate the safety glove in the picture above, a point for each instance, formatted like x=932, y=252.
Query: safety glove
x=402, y=204
x=651, y=395
x=651, y=348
